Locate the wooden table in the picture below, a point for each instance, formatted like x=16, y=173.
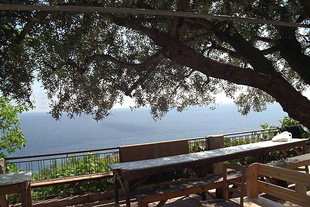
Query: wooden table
x=128, y=171
x=16, y=183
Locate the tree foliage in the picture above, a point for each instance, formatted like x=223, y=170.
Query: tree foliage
x=287, y=122
x=11, y=136
x=87, y=62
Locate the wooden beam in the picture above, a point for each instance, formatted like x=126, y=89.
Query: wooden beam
x=71, y=179
x=103, y=198
x=149, y=12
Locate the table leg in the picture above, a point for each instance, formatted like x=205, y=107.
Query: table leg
x=119, y=181
x=26, y=194
x=127, y=192
x=203, y=171
x=3, y=201
x=304, y=150
x=260, y=157
x=116, y=187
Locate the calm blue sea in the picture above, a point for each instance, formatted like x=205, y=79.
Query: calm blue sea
x=46, y=135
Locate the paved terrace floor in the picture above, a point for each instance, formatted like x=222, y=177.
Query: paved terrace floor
x=186, y=201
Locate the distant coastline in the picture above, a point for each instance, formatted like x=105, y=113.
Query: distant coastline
x=46, y=135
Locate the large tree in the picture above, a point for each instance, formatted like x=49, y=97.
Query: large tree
x=87, y=62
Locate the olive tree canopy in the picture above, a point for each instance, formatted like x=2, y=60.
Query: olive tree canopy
x=88, y=61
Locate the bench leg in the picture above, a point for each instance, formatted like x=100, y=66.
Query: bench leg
x=3, y=201
x=219, y=193
x=161, y=203
x=203, y=195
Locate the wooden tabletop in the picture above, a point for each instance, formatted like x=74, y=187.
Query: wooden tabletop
x=217, y=155
x=14, y=178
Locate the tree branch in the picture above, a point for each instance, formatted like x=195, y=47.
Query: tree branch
x=251, y=54
x=306, y=6
x=195, y=37
x=177, y=22
x=28, y=26
x=176, y=25
x=223, y=49
x=270, y=50
x=291, y=51
x=263, y=39
x=140, y=80
x=132, y=25
x=146, y=65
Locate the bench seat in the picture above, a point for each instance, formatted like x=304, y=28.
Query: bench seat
x=183, y=188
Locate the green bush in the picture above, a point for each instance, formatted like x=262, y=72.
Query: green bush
x=289, y=122
x=195, y=146
x=11, y=136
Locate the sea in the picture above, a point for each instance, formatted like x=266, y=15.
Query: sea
x=125, y=126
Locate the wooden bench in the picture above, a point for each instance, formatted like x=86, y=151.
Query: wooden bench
x=162, y=193
x=293, y=162
x=239, y=187
x=255, y=186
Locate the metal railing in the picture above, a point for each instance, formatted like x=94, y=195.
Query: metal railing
x=46, y=166
x=235, y=138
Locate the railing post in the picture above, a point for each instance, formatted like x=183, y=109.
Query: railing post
x=216, y=142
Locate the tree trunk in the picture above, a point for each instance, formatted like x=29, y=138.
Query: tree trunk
x=293, y=102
